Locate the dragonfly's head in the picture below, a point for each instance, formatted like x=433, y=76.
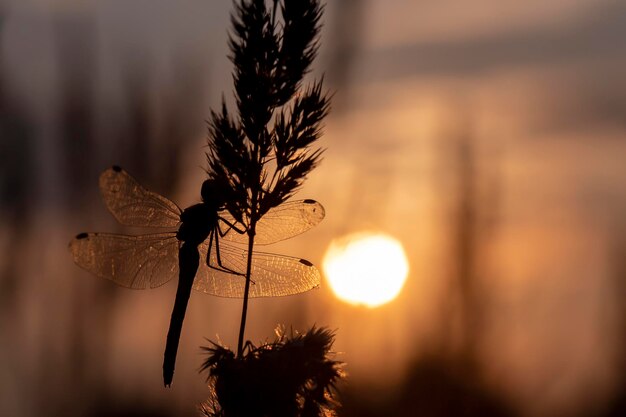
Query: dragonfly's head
x=213, y=193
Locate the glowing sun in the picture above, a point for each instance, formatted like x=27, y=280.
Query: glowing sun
x=366, y=268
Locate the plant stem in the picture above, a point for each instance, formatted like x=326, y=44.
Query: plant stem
x=244, y=312
x=251, y=232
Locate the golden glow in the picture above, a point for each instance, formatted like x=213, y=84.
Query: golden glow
x=366, y=268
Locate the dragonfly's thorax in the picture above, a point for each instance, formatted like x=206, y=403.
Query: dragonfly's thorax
x=197, y=222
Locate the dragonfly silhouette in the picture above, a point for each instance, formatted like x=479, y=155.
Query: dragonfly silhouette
x=199, y=252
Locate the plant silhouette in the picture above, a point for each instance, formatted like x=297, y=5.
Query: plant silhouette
x=260, y=158
x=289, y=377
x=255, y=163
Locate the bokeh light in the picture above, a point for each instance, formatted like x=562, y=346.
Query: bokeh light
x=366, y=268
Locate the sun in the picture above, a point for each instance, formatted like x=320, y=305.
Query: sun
x=366, y=268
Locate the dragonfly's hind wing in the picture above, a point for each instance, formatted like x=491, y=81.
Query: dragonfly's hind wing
x=273, y=275
x=138, y=262
x=282, y=222
x=133, y=205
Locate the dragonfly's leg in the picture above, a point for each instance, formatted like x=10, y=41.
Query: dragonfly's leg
x=219, y=261
x=208, y=252
x=231, y=226
x=219, y=266
x=225, y=232
x=219, y=258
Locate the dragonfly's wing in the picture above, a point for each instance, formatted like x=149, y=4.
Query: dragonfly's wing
x=272, y=275
x=282, y=222
x=138, y=262
x=133, y=205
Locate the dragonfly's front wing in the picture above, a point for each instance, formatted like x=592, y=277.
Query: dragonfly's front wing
x=133, y=205
x=272, y=275
x=282, y=222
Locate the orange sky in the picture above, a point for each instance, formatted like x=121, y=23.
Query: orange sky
x=537, y=90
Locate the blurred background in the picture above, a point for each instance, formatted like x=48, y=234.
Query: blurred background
x=489, y=137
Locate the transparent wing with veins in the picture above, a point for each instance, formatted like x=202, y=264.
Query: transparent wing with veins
x=283, y=222
x=132, y=205
x=149, y=261
x=138, y=262
x=272, y=275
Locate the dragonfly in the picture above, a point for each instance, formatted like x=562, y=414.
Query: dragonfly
x=200, y=245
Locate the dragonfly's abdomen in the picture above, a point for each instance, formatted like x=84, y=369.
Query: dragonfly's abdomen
x=197, y=222
x=188, y=261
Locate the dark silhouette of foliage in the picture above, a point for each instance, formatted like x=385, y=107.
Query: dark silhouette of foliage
x=258, y=159
x=290, y=377
x=274, y=126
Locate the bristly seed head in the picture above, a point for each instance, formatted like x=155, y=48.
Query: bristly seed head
x=260, y=158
